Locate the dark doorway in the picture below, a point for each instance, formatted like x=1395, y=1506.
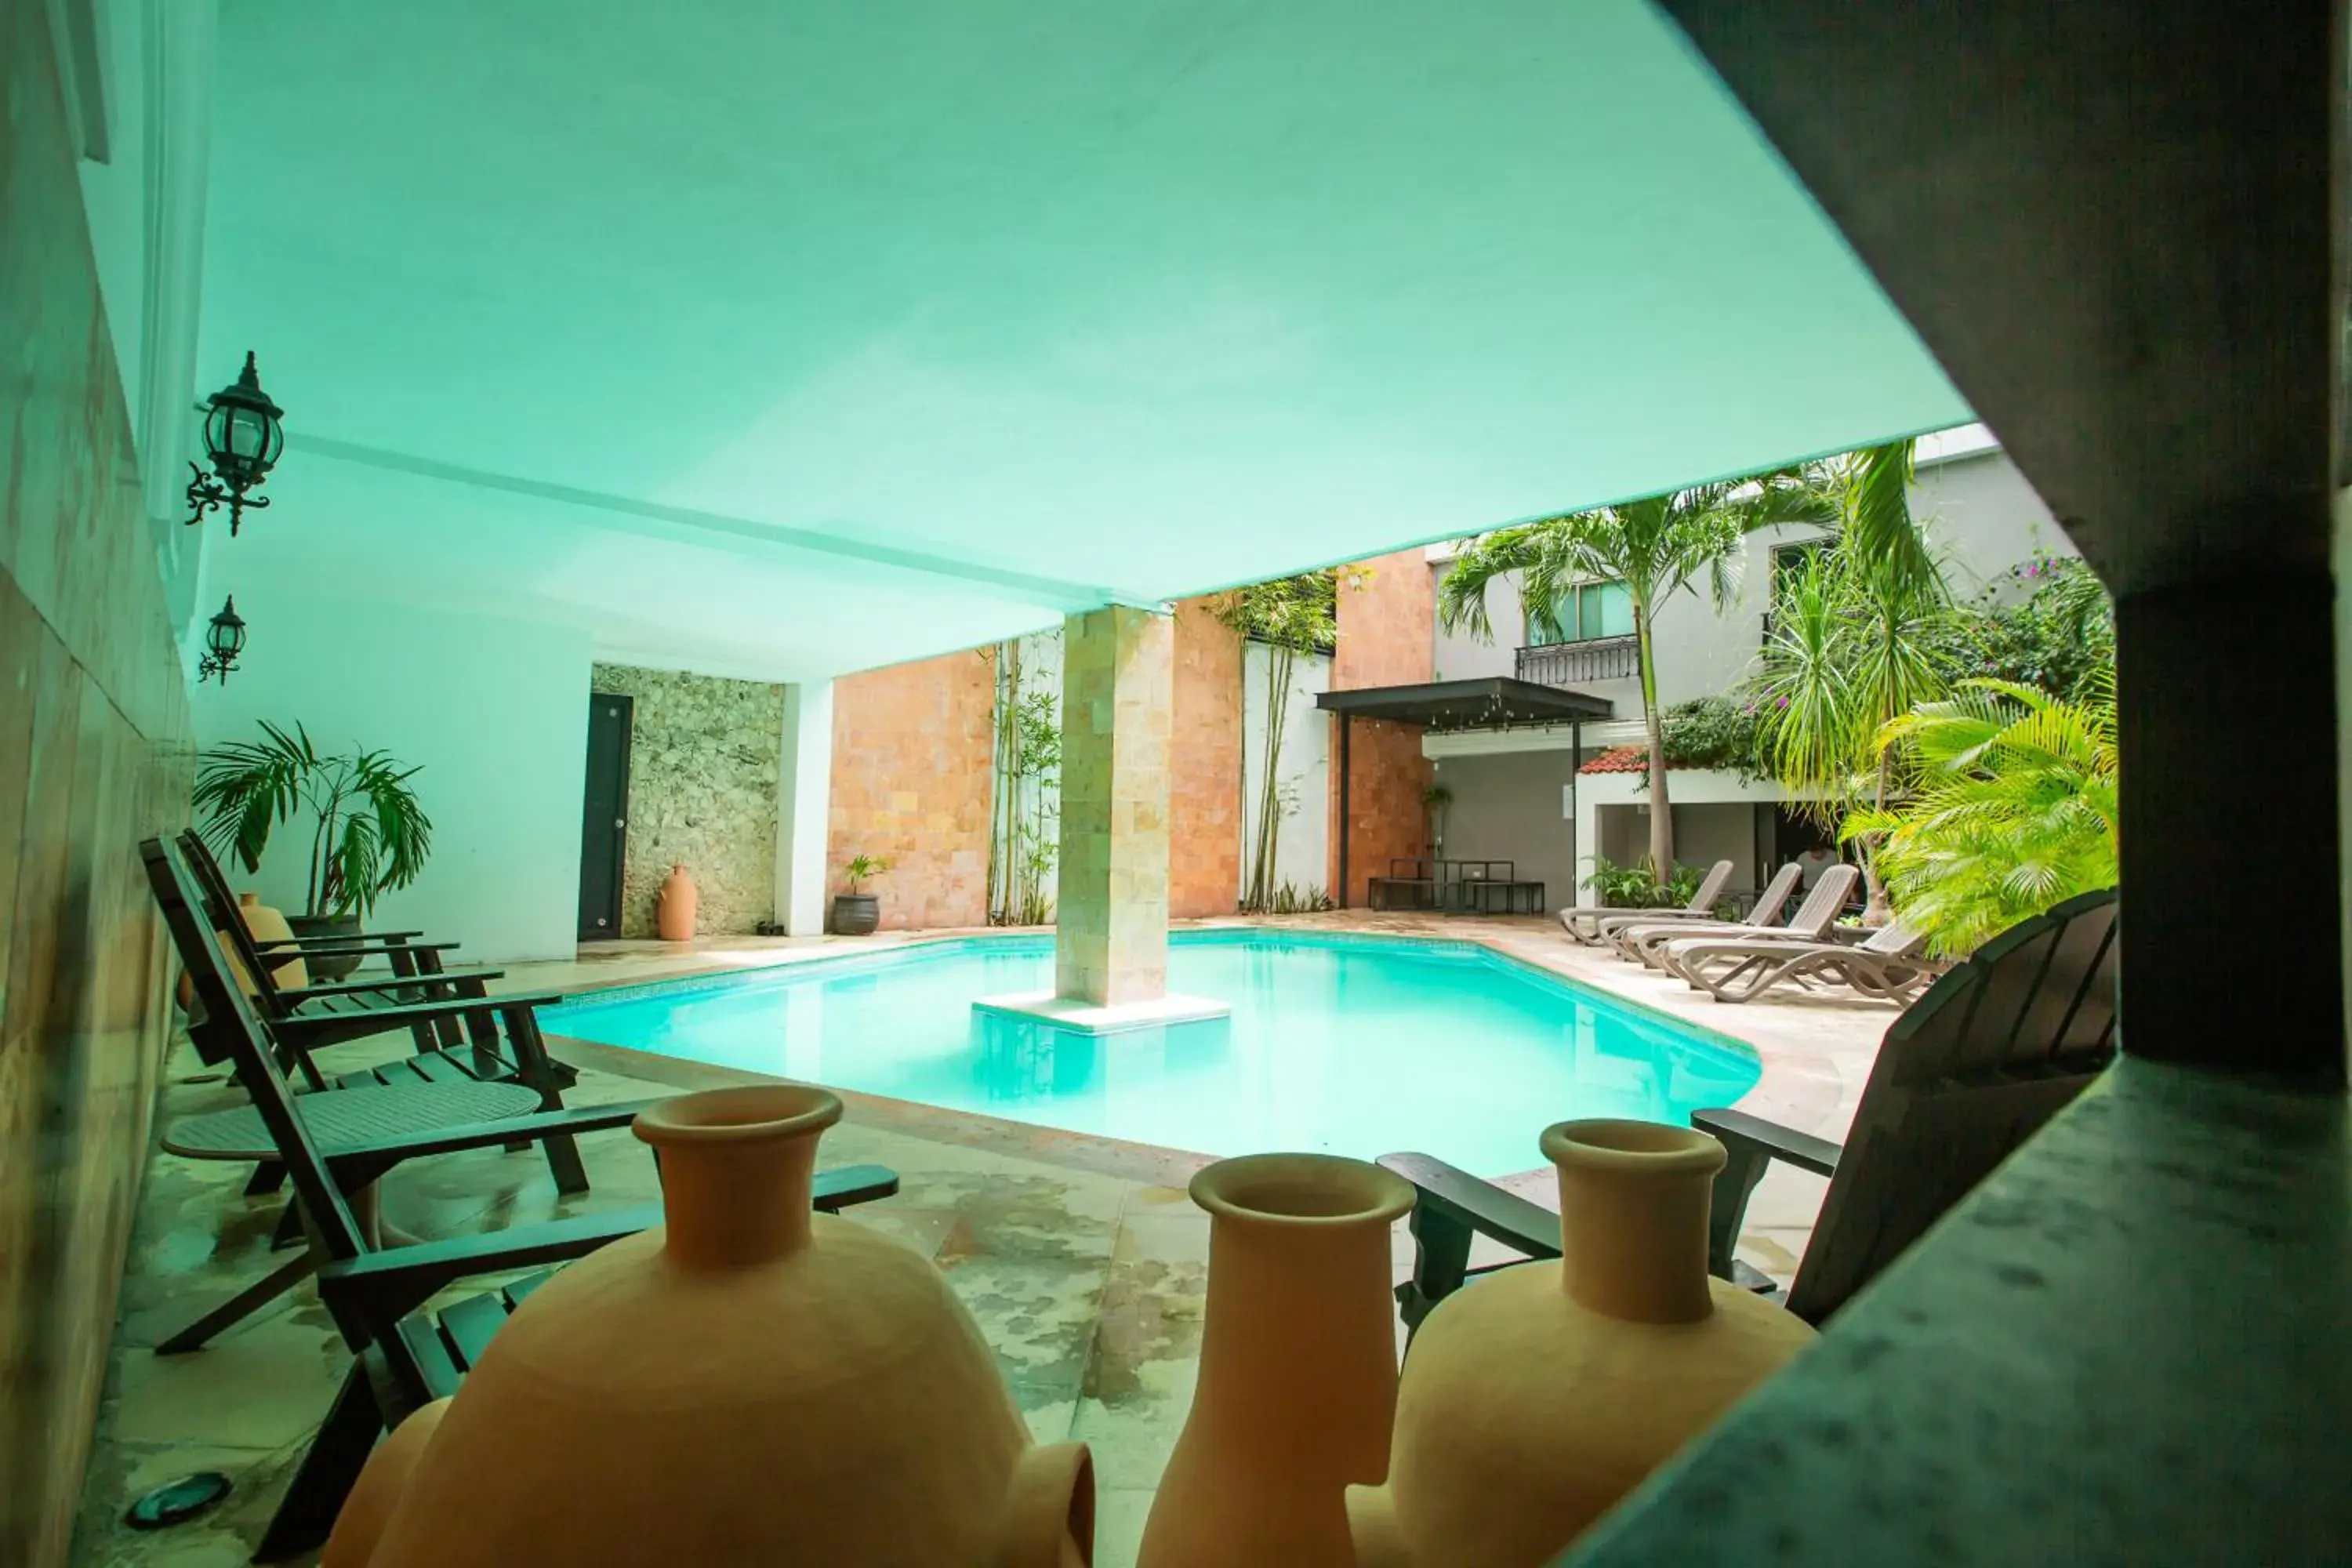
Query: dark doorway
x=605, y=817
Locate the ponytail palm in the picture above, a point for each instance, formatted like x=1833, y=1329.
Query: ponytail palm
x=1852, y=648
x=1658, y=546
x=2014, y=810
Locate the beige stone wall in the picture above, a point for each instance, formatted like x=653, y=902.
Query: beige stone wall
x=1384, y=640
x=910, y=783
x=703, y=759
x=1116, y=672
x=1204, y=771
x=94, y=741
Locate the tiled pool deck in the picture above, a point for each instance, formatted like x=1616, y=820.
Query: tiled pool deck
x=1081, y=1257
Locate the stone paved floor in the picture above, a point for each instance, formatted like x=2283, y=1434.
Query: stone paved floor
x=1081, y=1258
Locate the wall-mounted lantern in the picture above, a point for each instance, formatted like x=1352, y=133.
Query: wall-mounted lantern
x=224, y=640
x=243, y=437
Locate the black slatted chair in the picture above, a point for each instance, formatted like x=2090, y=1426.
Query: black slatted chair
x=1995, y=1048
x=462, y=1034
x=403, y=1355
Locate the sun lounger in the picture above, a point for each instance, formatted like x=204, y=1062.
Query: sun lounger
x=1583, y=922
x=1889, y=965
x=1646, y=943
x=1770, y=905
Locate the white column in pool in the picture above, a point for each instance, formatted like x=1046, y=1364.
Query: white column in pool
x=803, y=807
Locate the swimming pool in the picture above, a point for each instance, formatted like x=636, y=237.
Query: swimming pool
x=1345, y=1045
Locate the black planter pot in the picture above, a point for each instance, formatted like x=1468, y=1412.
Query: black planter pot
x=855, y=914
x=327, y=970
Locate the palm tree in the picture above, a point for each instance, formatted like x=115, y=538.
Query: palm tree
x=1657, y=546
x=1853, y=646
x=2014, y=810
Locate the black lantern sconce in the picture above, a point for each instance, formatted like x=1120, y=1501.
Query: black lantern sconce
x=243, y=438
x=223, y=642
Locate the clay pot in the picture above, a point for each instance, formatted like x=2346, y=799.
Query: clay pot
x=267, y=925
x=1297, y=1367
x=327, y=967
x=752, y=1384
x=855, y=914
x=1537, y=1397
x=674, y=910
x=361, y=1523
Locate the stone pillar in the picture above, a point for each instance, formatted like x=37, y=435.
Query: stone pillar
x=1118, y=697
x=804, y=808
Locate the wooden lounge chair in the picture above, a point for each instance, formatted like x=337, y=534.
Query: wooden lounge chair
x=403, y=1356
x=1647, y=943
x=1763, y=915
x=276, y=970
x=1582, y=923
x=1889, y=965
x=461, y=1032
x=1996, y=1047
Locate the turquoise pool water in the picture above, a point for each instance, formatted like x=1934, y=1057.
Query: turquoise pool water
x=1348, y=1046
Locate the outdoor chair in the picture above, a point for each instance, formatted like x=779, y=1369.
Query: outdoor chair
x=403, y=1355
x=1582, y=923
x=1889, y=965
x=461, y=1032
x=1766, y=913
x=1647, y=943
x=1996, y=1047
x=417, y=970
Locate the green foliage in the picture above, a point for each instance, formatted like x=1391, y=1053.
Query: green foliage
x=1851, y=647
x=1723, y=733
x=2058, y=637
x=1291, y=615
x=1300, y=613
x=371, y=836
x=1290, y=899
x=1636, y=887
x=860, y=868
x=1024, y=829
x=2014, y=811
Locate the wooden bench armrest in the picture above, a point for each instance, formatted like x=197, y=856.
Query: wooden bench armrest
x=1736, y=1129
x=396, y=983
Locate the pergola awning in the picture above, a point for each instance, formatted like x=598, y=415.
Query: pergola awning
x=1497, y=702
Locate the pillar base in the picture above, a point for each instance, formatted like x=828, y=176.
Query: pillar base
x=1089, y=1018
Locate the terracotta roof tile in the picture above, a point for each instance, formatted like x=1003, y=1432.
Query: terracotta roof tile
x=1622, y=760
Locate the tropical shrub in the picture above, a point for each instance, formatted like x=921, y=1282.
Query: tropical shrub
x=1722, y=734
x=2013, y=810
x=1636, y=887
x=2056, y=638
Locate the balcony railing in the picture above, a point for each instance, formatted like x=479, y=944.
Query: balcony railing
x=1569, y=664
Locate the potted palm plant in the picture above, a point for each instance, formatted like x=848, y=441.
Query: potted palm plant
x=369, y=834
x=855, y=913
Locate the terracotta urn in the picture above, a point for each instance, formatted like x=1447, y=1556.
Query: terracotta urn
x=1538, y=1396
x=268, y=925
x=674, y=909
x=1297, y=1367
x=752, y=1383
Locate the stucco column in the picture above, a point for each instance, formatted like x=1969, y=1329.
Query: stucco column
x=1117, y=696
x=804, y=808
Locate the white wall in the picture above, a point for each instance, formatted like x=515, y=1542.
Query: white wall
x=494, y=713
x=1301, y=849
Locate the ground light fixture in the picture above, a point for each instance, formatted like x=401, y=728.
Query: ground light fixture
x=224, y=640
x=243, y=437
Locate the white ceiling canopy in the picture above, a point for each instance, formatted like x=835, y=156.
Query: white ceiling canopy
x=974, y=311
